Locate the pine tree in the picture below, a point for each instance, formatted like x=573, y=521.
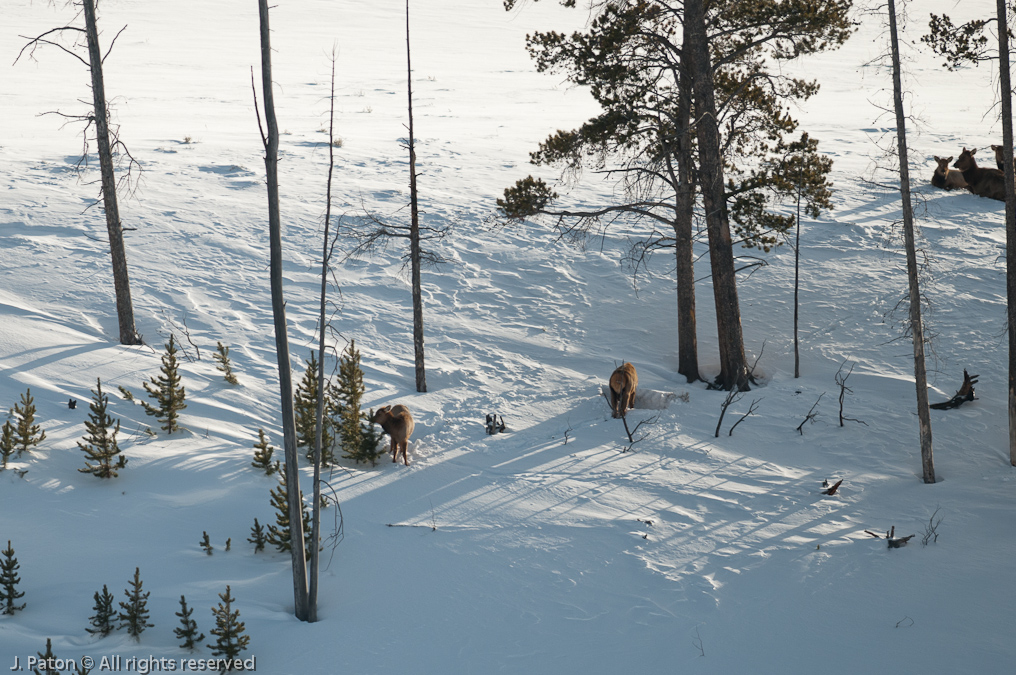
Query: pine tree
x=305, y=408
x=223, y=363
x=349, y=393
x=27, y=433
x=257, y=536
x=48, y=658
x=100, y=442
x=102, y=621
x=263, y=455
x=6, y=444
x=230, y=640
x=370, y=439
x=9, y=580
x=167, y=391
x=279, y=534
x=188, y=631
x=135, y=611
x=206, y=544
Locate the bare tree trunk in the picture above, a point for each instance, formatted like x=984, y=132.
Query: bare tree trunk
x=414, y=231
x=271, y=143
x=797, y=286
x=687, y=340
x=1010, y=213
x=121, y=279
x=733, y=367
x=916, y=327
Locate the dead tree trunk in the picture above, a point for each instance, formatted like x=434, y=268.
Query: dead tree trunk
x=733, y=367
x=687, y=341
x=118, y=254
x=916, y=326
x=1005, y=86
x=271, y=143
x=414, y=232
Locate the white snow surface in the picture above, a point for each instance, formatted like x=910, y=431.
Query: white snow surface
x=546, y=549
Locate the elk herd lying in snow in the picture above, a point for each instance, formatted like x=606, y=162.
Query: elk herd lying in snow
x=966, y=174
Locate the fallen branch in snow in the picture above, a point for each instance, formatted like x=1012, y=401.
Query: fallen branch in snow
x=964, y=394
x=631, y=433
x=830, y=491
x=890, y=537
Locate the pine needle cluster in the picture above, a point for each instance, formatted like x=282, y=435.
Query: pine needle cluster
x=167, y=391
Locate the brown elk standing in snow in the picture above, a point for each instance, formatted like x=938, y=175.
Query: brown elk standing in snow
x=623, y=382
x=946, y=179
x=397, y=422
x=982, y=182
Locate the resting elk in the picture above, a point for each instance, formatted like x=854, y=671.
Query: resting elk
x=623, y=382
x=982, y=182
x=944, y=178
x=397, y=422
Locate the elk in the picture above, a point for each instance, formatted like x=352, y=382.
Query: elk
x=623, y=382
x=944, y=178
x=999, y=157
x=982, y=182
x=397, y=422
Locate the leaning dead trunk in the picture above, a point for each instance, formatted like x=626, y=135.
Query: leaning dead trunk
x=121, y=279
x=1010, y=216
x=414, y=232
x=916, y=327
x=271, y=143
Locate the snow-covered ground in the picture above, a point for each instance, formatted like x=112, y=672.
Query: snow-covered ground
x=545, y=549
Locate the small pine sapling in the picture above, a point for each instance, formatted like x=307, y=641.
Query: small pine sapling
x=223, y=363
x=99, y=443
x=9, y=581
x=188, y=630
x=305, y=409
x=205, y=543
x=263, y=455
x=168, y=392
x=257, y=536
x=229, y=630
x=229, y=542
x=370, y=440
x=47, y=659
x=134, y=616
x=279, y=534
x=349, y=419
x=27, y=434
x=6, y=443
x=102, y=621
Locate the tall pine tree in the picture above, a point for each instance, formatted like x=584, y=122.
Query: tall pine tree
x=100, y=444
x=167, y=391
x=349, y=393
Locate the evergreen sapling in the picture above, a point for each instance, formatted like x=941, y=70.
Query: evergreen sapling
x=349, y=419
x=223, y=363
x=263, y=455
x=205, y=543
x=229, y=630
x=279, y=534
x=370, y=439
x=168, y=392
x=305, y=407
x=6, y=443
x=100, y=444
x=134, y=616
x=28, y=434
x=102, y=621
x=188, y=631
x=257, y=536
x=9, y=580
x=48, y=658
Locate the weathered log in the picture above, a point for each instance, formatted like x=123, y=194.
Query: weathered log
x=964, y=394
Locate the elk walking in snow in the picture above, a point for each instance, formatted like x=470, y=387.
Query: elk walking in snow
x=398, y=423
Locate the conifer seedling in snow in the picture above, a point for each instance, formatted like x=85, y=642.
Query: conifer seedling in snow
x=100, y=444
x=102, y=621
x=167, y=391
x=6, y=443
x=48, y=658
x=305, y=409
x=223, y=363
x=27, y=434
x=279, y=534
x=188, y=631
x=229, y=630
x=9, y=581
x=263, y=455
x=257, y=536
x=134, y=614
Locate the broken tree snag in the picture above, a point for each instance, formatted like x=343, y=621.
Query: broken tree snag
x=891, y=539
x=965, y=393
x=831, y=491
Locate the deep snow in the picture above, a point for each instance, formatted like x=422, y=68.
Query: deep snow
x=527, y=552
